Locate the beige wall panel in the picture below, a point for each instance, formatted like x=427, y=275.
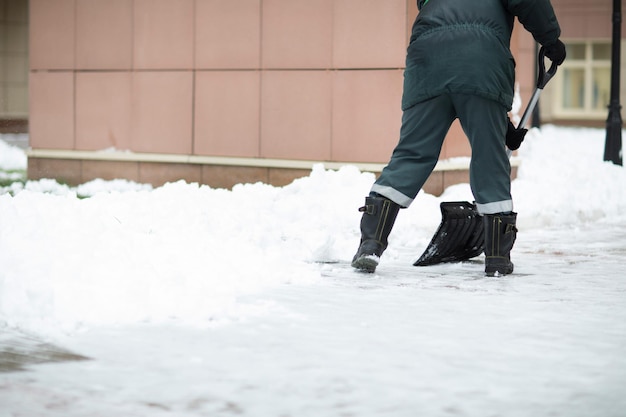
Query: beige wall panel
x=228, y=34
x=15, y=37
x=104, y=34
x=16, y=100
x=51, y=37
x=366, y=114
x=163, y=34
x=162, y=112
x=52, y=110
x=296, y=114
x=16, y=11
x=369, y=33
x=227, y=113
x=297, y=33
x=103, y=110
x=15, y=69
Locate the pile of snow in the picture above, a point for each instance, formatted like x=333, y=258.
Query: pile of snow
x=130, y=253
x=564, y=180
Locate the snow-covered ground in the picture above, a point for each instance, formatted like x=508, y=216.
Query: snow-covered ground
x=193, y=301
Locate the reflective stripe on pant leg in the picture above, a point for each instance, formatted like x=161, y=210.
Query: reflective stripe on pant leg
x=496, y=207
x=392, y=194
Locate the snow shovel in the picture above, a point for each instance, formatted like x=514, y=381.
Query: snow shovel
x=460, y=235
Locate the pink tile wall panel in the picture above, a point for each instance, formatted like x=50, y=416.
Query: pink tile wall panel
x=584, y=19
x=296, y=114
x=456, y=143
x=589, y=24
x=51, y=37
x=51, y=119
x=104, y=34
x=228, y=34
x=162, y=112
x=599, y=25
x=227, y=113
x=163, y=34
x=369, y=33
x=103, y=112
x=297, y=33
x=411, y=14
x=366, y=114
x=572, y=24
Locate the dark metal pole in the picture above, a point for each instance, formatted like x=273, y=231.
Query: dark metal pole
x=613, y=144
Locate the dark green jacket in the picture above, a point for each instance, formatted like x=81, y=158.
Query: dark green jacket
x=462, y=46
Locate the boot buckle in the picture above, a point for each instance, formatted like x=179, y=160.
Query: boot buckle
x=368, y=209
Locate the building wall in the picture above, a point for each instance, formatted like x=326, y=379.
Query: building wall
x=584, y=19
x=224, y=91
x=265, y=80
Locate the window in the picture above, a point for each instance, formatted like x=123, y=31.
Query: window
x=13, y=59
x=584, y=81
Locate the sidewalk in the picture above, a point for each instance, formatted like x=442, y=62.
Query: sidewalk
x=19, y=351
x=438, y=341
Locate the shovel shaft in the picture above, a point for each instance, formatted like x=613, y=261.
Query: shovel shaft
x=529, y=109
x=544, y=77
x=542, y=80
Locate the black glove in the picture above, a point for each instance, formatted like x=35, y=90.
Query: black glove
x=555, y=52
x=514, y=136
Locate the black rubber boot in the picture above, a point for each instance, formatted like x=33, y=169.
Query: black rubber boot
x=500, y=234
x=379, y=214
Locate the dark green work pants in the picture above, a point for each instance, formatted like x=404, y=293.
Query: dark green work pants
x=424, y=127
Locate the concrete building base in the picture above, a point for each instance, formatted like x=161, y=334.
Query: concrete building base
x=77, y=167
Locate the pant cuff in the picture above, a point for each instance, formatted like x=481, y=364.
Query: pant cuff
x=392, y=194
x=505, y=206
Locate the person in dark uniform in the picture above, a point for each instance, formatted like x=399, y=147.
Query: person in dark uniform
x=458, y=65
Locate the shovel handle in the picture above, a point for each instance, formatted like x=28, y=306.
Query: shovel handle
x=542, y=80
x=545, y=76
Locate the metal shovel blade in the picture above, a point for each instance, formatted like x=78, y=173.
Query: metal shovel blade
x=460, y=235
